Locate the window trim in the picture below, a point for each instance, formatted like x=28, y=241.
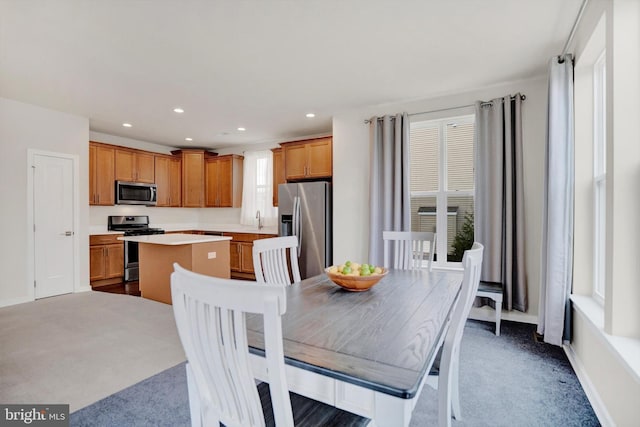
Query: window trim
x=599, y=178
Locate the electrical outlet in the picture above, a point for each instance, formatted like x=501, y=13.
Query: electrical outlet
x=211, y=255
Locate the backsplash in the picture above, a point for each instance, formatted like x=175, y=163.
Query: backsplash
x=98, y=215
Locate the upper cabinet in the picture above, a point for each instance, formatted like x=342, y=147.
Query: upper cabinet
x=135, y=166
x=279, y=176
x=309, y=159
x=101, y=174
x=168, y=180
x=224, y=181
x=192, y=177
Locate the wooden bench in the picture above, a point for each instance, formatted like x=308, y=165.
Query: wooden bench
x=494, y=292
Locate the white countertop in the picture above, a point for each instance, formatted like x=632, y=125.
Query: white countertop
x=98, y=232
x=174, y=239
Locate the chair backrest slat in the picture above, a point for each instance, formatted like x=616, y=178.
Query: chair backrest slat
x=210, y=316
x=408, y=248
x=271, y=263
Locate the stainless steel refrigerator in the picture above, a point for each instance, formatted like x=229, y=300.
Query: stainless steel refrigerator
x=304, y=211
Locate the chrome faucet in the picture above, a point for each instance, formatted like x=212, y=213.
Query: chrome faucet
x=259, y=220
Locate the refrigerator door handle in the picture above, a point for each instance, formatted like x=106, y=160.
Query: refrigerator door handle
x=294, y=217
x=299, y=222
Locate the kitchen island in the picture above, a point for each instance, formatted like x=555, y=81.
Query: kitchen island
x=156, y=253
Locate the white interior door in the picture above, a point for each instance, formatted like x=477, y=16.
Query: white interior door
x=53, y=214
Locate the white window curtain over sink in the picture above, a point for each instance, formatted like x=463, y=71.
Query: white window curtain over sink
x=257, y=189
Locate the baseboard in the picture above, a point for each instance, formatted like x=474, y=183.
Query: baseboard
x=592, y=394
x=22, y=300
x=14, y=301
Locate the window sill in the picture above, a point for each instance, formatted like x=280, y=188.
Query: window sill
x=627, y=350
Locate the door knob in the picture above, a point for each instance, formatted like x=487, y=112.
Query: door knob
x=67, y=233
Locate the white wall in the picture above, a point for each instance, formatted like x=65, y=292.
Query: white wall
x=351, y=172
x=130, y=142
x=609, y=336
x=24, y=126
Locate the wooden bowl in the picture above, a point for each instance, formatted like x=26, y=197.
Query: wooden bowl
x=355, y=283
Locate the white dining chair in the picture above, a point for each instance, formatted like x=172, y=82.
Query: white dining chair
x=408, y=249
x=210, y=316
x=448, y=393
x=271, y=262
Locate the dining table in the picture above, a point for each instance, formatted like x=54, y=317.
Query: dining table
x=365, y=352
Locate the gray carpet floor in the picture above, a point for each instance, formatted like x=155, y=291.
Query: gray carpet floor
x=79, y=348
x=510, y=380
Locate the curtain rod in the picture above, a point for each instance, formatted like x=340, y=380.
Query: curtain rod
x=522, y=97
x=573, y=31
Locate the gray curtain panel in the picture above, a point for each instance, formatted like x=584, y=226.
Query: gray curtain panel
x=557, y=226
x=499, y=207
x=389, y=184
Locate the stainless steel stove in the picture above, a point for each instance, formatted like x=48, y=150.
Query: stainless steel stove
x=132, y=225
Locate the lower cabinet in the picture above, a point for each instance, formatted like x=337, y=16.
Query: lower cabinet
x=241, y=248
x=106, y=258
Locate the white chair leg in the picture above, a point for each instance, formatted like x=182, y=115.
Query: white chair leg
x=455, y=396
x=444, y=389
x=498, y=314
x=194, y=399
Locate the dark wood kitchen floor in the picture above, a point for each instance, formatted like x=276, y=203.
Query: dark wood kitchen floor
x=128, y=288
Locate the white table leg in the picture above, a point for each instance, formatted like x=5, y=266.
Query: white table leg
x=392, y=411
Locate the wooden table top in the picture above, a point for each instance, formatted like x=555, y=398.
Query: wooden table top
x=381, y=339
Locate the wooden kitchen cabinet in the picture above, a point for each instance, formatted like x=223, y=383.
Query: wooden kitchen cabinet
x=135, y=166
x=241, y=251
x=241, y=258
x=308, y=159
x=279, y=176
x=193, y=176
x=101, y=174
x=168, y=180
x=224, y=181
x=106, y=259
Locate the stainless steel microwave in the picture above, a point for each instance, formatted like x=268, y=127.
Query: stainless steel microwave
x=135, y=193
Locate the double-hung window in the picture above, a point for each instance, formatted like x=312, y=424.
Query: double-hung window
x=599, y=176
x=442, y=184
x=257, y=189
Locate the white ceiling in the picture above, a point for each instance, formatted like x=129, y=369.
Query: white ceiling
x=262, y=64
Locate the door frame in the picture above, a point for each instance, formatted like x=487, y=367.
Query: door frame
x=31, y=261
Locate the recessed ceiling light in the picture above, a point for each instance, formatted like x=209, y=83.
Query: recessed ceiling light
x=241, y=129
x=188, y=139
x=127, y=125
x=310, y=115
x=178, y=110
